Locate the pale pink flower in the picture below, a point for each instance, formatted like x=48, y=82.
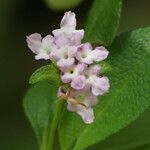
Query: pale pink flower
x=64, y=56
x=87, y=55
x=86, y=98
x=87, y=114
x=78, y=82
x=74, y=75
x=68, y=28
x=41, y=47
x=99, y=85
x=66, y=39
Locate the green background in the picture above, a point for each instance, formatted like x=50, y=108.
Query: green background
x=19, y=18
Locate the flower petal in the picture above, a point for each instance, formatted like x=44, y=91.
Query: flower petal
x=99, y=54
x=62, y=40
x=48, y=41
x=42, y=56
x=34, y=42
x=78, y=82
x=83, y=53
x=86, y=114
x=94, y=70
x=63, y=63
x=68, y=20
x=80, y=68
x=77, y=37
x=72, y=50
x=100, y=86
x=66, y=78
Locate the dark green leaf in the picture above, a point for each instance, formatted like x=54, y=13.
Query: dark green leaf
x=48, y=73
x=103, y=21
x=128, y=97
x=131, y=137
x=38, y=104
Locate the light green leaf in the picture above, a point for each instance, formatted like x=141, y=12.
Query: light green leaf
x=48, y=73
x=62, y=4
x=103, y=21
x=128, y=97
x=38, y=103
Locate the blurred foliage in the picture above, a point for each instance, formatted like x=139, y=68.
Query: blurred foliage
x=60, y=5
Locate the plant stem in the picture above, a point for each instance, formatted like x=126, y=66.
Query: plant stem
x=44, y=141
x=54, y=124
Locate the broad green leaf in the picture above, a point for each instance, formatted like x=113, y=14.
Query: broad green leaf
x=38, y=103
x=131, y=137
x=62, y=4
x=103, y=21
x=130, y=88
x=128, y=97
x=48, y=73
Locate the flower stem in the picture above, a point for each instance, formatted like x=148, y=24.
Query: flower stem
x=54, y=124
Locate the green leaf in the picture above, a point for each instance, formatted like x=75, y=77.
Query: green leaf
x=38, y=103
x=103, y=21
x=62, y=4
x=48, y=73
x=128, y=97
x=131, y=137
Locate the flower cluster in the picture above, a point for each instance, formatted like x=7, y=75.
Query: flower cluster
x=77, y=64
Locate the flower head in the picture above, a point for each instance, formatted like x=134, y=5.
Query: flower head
x=77, y=64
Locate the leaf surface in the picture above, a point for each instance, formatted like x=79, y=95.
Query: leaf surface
x=48, y=73
x=129, y=138
x=38, y=103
